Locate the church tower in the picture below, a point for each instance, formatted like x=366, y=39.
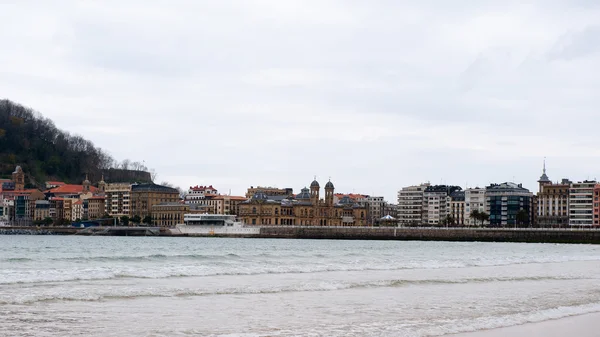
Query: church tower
x=314, y=191
x=86, y=184
x=329, y=188
x=544, y=180
x=102, y=185
x=18, y=177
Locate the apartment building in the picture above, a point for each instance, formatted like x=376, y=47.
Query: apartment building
x=474, y=200
x=505, y=201
x=581, y=203
x=410, y=204
x=118, y=199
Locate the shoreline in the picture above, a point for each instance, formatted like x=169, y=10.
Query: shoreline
x=584, y=325
x=554, y=236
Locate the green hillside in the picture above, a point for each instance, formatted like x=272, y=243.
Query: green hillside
x=46, y=152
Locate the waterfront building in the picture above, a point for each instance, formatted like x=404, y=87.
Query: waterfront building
x=144, y=196
x=77, y=210
x=474, y=201
x=227, y=204
x=552, y=202
x=597, y=205
x=118, y=199
x=581, y=203
x=505, y=201
x=197, y=193
x=169, y=214
x=94, y=207
x=376, y=207
x=436, y=204
x=410, y=205
x=41, y=210
x=304, y=209
x=456, y=209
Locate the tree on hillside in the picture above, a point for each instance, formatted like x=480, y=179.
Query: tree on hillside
x=44, y=151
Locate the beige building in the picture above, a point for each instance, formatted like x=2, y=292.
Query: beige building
x=305, y=209
x=169, y=214
x=95, y=207
x=117, y=199
x=552, y=202
x=144, y=196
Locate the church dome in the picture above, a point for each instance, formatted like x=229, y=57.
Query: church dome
x=315, y=183
x=329, y=185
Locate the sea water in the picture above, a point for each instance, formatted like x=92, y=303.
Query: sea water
x=145, y=286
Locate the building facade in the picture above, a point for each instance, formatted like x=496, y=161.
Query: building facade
x=504, y=203
x=270, y=191
x=457, y=208
x=197, y=193
x=305, y=209
x=410, y=205
x=144, y=196
x=118, y=199
x=169, y=214
x=596, y=205
x=474, y=201
x=376, y=208
x=581, y=203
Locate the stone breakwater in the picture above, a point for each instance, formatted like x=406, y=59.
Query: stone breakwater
x=585, y=236
x=435, y=234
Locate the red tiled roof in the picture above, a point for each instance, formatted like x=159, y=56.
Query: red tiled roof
x=55, y=183
x=70, y=189
x=96, y=197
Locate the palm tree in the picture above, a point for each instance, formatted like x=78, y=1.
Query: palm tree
x=483, y=216
x=474, y=215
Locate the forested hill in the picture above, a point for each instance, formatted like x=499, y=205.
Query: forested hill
x=46, y=152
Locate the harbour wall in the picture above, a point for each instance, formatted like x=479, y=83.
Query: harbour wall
x=435, y=234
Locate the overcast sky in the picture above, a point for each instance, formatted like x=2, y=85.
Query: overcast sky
x=376, y=95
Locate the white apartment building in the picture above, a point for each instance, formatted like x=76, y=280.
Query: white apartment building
x=410, y=204
x=474, y=200
x=581, y=203
x=435, y=206
x=118, y=199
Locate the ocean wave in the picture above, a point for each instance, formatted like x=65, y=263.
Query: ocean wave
x=121, y=294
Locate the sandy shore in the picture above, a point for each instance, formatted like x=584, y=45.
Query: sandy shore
x=580, y=326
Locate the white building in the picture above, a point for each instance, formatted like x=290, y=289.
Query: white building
x=435, y=207
x=581, y=203
x=198, y=193
x=410, y=204
x=474, y=200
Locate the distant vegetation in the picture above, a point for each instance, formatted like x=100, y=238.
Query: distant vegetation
x=48, y=153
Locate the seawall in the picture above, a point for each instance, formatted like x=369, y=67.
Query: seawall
x=435, y=234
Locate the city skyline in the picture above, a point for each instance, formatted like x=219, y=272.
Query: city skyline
x=272, y=93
